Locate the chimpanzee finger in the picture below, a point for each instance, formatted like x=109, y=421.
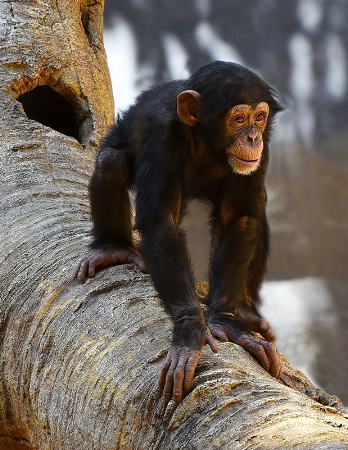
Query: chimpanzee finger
x=82, y=270
x=167, y=378
x=93, y=264
x=168, y=387
x=265, y=352
x=163, y=375
x=271, y=351
x=266, y=331
x=261, y=326
x=179, y=376
x=77, y=270
x=138, y=261
x=255, y=323
x=212, y=342
x=219, y=333
x=190, y=370
x=255, y=347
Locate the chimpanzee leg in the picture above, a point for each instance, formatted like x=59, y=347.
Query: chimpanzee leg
x=236, y=249
x=247, y=310
x=238, y=262
x=233, y=248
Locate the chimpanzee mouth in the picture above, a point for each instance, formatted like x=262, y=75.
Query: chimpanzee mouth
x=247, y=162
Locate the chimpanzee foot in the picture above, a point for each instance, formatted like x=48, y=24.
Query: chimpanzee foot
x=100, y=258
x=179, y=367
x=229, y=329
x=249, y=317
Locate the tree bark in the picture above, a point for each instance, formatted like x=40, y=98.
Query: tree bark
x=79, y=363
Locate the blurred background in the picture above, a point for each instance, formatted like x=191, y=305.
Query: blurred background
x=300, y=47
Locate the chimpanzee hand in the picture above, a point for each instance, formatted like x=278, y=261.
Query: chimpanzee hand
x=227, y=328
x=101, y=258
x=249, y=317
x=179, y=367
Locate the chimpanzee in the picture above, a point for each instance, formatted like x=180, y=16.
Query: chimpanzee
x=205, y=138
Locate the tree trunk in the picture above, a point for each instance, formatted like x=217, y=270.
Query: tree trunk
x=79, y=363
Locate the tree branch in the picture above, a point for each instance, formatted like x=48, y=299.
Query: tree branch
x=79, y=364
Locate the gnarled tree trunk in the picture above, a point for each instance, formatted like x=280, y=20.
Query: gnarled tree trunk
x=79, y=363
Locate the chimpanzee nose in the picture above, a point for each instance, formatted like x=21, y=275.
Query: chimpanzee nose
x=253, y=137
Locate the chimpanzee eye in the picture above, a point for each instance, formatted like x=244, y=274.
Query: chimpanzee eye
x=260, y=117
x=239, y=119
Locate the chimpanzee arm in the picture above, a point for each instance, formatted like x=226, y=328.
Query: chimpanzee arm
x=166, y=257
x=239, y=252
x=110, y=206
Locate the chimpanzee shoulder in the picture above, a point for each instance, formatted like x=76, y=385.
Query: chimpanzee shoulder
x=158, y=100
x=152, y=110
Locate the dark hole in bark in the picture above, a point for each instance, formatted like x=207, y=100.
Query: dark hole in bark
x=46, y=106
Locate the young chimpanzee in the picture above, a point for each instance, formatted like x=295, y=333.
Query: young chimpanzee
x=205, y=138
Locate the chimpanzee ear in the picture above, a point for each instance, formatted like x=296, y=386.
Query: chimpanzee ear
x=187, y=107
